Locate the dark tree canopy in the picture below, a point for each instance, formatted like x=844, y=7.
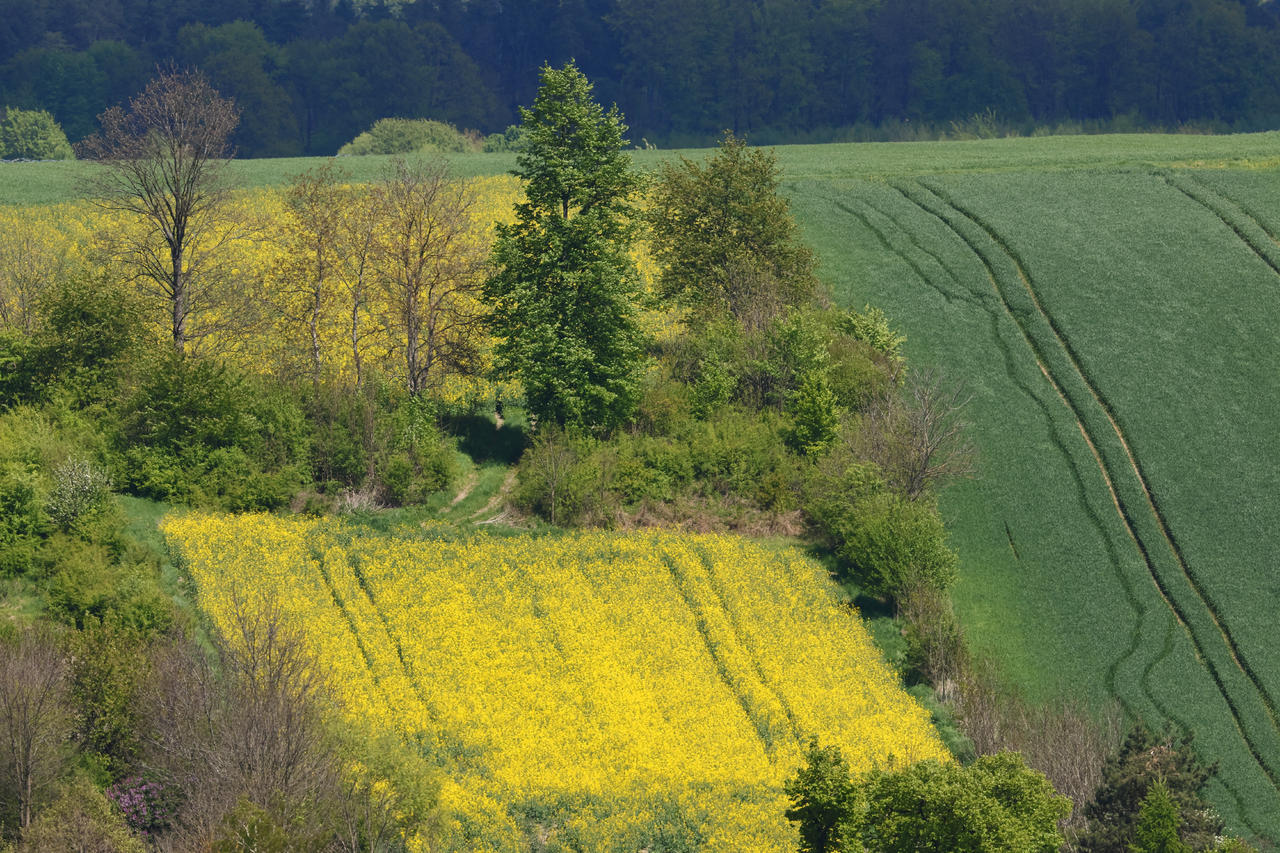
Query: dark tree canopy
x=1145, y=758
x=313, y=75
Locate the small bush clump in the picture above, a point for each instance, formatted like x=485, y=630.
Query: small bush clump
x=407, y=136
x=32, y=135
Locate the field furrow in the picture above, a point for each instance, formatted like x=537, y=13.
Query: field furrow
x=1251, y=232
x=1161, y=523
x=1168, y=580
x=1251, y=705
x=616, y=688
x=981, y=338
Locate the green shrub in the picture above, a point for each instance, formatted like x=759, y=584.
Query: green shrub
x=32, y=135
x=86, y=580
x=90, y=332
x=412, y=459
x=888, y=543
x=742, y=453
x=555, y=480
x=17, y=384
x=407, y=136
x=871, y=326
x=340, y=425
x=21, y=522
x=825, y=801
x=1128, y=777
x=108, y=670
x=665, y=406
x=994, y=805
x=857, y=373
x=81, y=818
x=815, y=415
x=197, y=432
x=511, y=139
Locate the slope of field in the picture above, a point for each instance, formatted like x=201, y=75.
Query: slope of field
x=1117, y=328
x=620, y=690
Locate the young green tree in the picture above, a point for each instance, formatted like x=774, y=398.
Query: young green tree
x=726, y=239
x=1127, y=780
x=1158, y=822
x=565, y=289
x=825, y=802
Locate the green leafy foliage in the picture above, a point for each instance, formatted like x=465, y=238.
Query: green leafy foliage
x=21, y=521
x=81, y=818
x=82, y=349
x=1158, y=823
x=108, y=672
x=871, y=326
x=725, y=237
x=815, y=413
x=407, y=136
x=995, y=805
x=733, y=461
x=32, y=135
x=888, y=543
x=511, y=139
x=564, y=294
x=198, y=432
x=825, y=802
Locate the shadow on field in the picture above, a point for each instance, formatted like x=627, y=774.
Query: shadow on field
x=481, y=439
x=868, y=606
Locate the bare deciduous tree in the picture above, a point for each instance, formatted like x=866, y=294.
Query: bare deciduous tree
x=431, y=264
x=252, y=732
x=35, y=722
x=1067, y=741
x=163, y=164
x=356, y=254
x=918, y=439
x=319, y=204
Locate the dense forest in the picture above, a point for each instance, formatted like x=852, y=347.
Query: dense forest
x=309, y=76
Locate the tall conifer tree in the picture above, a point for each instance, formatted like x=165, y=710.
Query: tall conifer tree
x=565, y=288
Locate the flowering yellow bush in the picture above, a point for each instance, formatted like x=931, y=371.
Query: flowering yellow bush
x=605, y=687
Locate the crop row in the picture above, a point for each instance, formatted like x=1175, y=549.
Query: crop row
x=617, y=682
x=1055, y=294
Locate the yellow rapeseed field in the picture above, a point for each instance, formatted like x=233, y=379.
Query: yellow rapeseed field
x=612, y=692
x=251, y=274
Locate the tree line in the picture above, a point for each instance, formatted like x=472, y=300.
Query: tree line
x=310, y=76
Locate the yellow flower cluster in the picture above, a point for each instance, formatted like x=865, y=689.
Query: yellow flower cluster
x=603, y=682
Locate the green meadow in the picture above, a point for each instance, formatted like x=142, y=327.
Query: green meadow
x=1114, y=319
x=1111, y=303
